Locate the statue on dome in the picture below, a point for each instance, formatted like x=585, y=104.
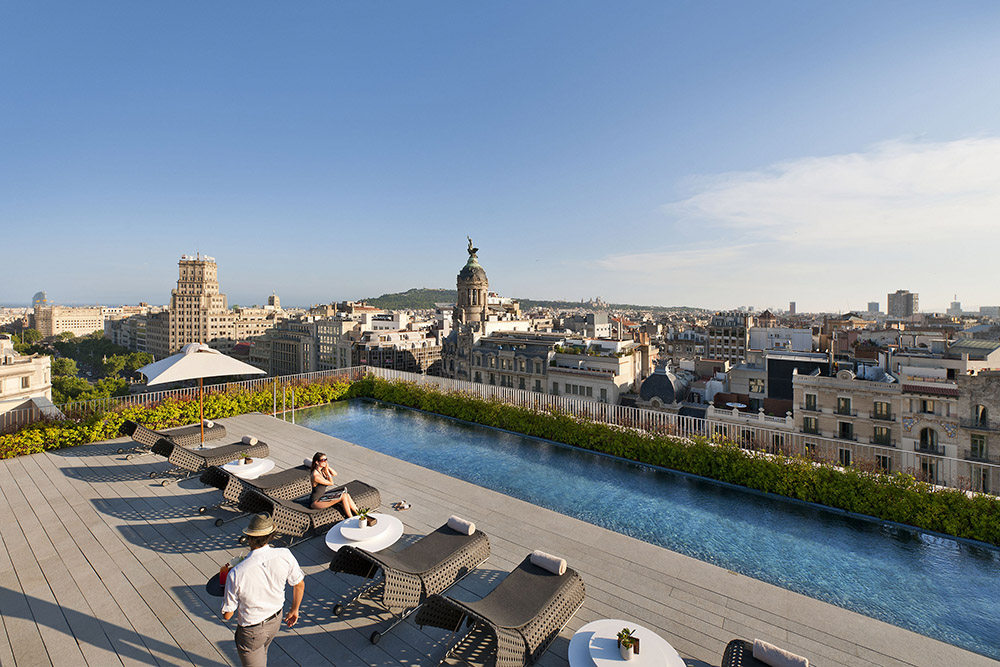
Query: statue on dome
x=472, y=251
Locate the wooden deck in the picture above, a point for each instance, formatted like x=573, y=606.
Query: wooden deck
x=99, y=565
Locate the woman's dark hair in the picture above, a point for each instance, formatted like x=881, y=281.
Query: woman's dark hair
x=316, y=457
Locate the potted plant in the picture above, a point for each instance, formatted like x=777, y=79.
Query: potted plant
x=365, y=519
x=628, y=644
x=242, y=459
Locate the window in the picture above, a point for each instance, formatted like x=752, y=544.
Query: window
x=810, y=425
x=555, y=388
x=604, y=395
x=756, y=386
x=493, y=379
x=811, y=402
x=520, y=383
x=978, y=446
x=845, y=430
x=927, y=406
x=590, y=392
x=884, y=463
x=982, y=418
x=882, y=410
x=538, y=385
x=810, y=449
x=25, y=382
x=844, y=406
x=928, y=439
x=845, y=457
x=882, y=436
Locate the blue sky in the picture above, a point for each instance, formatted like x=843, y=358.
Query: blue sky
x=712, y=154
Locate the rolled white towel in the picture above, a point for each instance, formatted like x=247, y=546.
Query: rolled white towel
x=249, y=440
x=553, y=564
x=208, y=423
x=775, y=656
x=460, y=525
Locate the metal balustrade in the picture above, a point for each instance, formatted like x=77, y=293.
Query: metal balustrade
x=951, y=471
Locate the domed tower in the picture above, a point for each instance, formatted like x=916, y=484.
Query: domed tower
x=472, y=290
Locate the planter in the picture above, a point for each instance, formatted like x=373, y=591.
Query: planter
x=627, y=652
x=248, y=460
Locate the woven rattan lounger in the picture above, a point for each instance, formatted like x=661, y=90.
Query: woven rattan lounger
x=294, y=518
x=185, y=436
x=430, y=565
x=234, y=489
x=739, y=653
x=191, y=461
x=516, y=621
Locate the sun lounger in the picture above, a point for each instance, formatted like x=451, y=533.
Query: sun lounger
x=430, y=565
x=190, y=461
x=741, y=653
x=184, y=436
x=516, y=621
x=294, y=518
x=235, y=489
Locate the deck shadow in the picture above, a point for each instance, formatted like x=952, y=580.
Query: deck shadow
x=92, y=449
x=101, y=474
x=125, y=641
x=172, y=538
x=126, y=508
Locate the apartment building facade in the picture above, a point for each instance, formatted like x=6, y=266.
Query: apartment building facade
x=728, y=336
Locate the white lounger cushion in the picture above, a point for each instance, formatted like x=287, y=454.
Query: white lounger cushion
x=460, y=525
x=208, y=423
x=249, y=440
x=777, y=657
x=549, y=562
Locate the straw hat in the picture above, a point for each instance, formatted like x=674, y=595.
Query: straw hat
x=260, y=525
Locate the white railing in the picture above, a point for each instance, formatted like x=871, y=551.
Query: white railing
x=942, y=470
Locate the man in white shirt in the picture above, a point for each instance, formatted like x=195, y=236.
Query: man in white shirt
x=255, y=590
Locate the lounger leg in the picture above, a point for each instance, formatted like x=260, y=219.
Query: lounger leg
x=360, y=591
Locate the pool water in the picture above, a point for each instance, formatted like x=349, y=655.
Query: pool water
x=939, y=587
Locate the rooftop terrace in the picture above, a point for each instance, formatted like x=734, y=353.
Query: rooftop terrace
x=101, y=565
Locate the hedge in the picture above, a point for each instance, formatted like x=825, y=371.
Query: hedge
x=898, y=497
x=55, y=434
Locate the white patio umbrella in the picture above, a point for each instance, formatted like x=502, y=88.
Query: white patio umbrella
x=196, y=360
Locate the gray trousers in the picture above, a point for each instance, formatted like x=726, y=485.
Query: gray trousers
x=252, y=642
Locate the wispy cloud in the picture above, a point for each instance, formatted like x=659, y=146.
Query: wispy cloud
x=897, y=190
x=838, y=230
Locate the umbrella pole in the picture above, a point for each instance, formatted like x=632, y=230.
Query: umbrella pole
x=201, y=412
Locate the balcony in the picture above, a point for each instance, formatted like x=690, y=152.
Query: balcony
x=810, y=408
x=850, y=437
x=936, y=450
x=845, y=413
x=980, y=456
x=811, y=430
x=977, y=425
x=882, y=442
x=883, y=417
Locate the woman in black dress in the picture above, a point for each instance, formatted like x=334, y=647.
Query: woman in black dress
x=324, y=493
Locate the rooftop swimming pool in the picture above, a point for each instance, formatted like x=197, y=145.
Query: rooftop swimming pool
x=939, y=587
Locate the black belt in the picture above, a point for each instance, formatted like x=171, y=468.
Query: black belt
x=254, y=625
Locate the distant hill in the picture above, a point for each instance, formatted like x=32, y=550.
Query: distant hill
x=418, y=297
x=423, y=297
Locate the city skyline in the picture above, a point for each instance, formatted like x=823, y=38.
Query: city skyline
x=671, y=155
